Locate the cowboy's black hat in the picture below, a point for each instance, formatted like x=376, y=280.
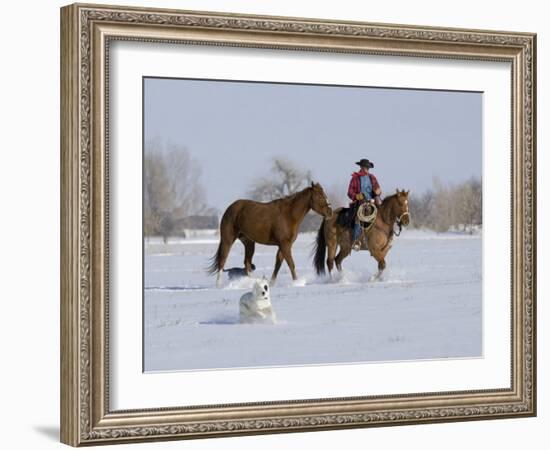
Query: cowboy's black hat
x=364, y=162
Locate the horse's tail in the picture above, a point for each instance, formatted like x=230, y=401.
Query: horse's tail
x=226, y=239
x=214, y=266
x=320, y=250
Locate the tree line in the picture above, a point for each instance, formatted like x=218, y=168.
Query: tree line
x=174, y=196
x=448, y=206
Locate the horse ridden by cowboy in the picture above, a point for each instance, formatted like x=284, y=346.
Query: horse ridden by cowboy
x=363, y=187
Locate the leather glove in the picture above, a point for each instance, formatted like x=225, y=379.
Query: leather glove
x=359, y=196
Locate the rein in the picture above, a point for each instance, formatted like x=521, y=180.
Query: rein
x=399, y=224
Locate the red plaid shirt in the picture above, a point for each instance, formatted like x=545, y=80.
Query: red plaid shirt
x=355, y=185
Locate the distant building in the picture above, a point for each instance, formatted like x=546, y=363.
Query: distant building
x=198, y=222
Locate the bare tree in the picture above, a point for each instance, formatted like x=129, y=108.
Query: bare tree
x=443, y=211
x=172, y=188
x=448, y=206
x=337, y=195
x=422, y=210
x=155, y=192
x=467, y=202
x=285, y=179
x=476, y=211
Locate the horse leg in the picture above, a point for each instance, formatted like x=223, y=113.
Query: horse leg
x=378, y=246
x=287, y=254
x=249, y=247
x=278, y=262
x=331, y=246
x=379, y=257
x=342, y=254
x=345, y=250
x=381, y=267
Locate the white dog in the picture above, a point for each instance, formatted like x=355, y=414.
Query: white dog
x=255, y=306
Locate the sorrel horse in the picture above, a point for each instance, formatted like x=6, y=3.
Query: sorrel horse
x=393, y=210
x=271, y=223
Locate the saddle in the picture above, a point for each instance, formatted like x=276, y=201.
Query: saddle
x=348, y=216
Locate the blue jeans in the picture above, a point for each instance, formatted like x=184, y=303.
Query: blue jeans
x=356, y=231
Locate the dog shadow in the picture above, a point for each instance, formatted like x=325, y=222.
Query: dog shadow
x=226, y=320
x=222, y=320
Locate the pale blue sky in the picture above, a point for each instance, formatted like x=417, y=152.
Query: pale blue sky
x=233, y=129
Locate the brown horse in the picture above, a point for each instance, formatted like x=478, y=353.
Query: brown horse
x=272, y=223
x=393, y=210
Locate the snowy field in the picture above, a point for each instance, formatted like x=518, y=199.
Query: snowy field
x=428, y=305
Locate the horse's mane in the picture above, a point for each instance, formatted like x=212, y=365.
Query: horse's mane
x=289, y=196
x=387, y=199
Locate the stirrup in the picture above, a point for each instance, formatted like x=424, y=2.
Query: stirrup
x=356, y=245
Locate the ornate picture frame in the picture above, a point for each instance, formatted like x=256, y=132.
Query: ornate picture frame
x=87, y=31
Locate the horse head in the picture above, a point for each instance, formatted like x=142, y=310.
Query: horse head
x=319, y=201
x=402, y=206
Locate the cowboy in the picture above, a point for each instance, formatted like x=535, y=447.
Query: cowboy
x=363, y=187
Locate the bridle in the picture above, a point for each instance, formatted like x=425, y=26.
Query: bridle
x=327, y=202
x=399, y=223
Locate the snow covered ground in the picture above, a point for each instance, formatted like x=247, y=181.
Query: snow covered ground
x=428, y=305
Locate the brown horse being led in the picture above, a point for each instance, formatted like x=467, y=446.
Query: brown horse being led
x=394, y=209
x=272, y=223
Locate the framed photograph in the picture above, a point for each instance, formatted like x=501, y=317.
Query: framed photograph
x=276, y=224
